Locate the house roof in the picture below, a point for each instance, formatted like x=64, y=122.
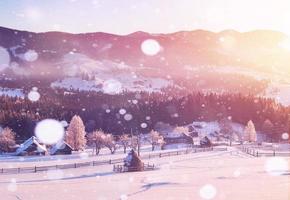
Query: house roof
x=60, y=145
x=28, y=143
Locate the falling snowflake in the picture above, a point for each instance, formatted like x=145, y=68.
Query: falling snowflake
x=143, y=125
x=12, y=186
x=49, y=131
x=33, y=95
x=276, y=166
x=55, y=174
x=134, y=101
x=112, y=87
x=123, y=197
x=150, y=47
x=84, y=155
x=108, y=110
x=30, y=56
x=208, y=191
x=285, y=136
x=64, y=123
x=221, y=39
x=237, y=173
x=128, y=117
x=122, y=111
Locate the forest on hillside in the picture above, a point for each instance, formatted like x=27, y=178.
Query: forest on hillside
x=140, y=112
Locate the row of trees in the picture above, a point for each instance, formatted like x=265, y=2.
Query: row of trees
x=78, y=139
x=249, y=133
x=101, y=111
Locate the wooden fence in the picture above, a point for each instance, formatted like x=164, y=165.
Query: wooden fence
x=255, y=152
x=102, y=162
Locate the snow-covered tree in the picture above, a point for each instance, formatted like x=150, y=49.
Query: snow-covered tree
x=7, y=139
x=125, y=141
x=181, y=129
x=97, y=139
x=136, y=142
x=75, y=135
x=110, y=143
x=250, y=132
x=226, y=127
x=155, y=139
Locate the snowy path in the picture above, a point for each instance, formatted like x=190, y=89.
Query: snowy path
x=231, y=174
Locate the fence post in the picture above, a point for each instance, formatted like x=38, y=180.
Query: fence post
x=274, y=153
x=257, y=153
x=110, y=161
x=160, y=155
x=35, y=169
x=75, y=165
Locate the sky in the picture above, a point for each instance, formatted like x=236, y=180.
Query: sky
x=154, y=16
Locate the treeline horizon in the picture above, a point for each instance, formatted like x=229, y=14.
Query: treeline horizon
x=102, y=111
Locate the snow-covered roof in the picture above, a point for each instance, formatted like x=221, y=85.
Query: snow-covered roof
x=28, y=143
x=57, y=146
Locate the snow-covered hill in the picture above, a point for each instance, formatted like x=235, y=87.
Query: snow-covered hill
x=11, y=92
x=114, y=84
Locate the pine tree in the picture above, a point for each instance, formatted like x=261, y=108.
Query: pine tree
x=250, y=132
x=7, y=139
x=75, y=135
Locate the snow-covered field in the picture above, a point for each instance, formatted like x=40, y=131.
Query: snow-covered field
x=118, y=84
x=209, y=175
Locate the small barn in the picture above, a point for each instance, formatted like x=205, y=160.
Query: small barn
x=183, y=138
x=61, y=148
x=31, y=147
x=205, y=142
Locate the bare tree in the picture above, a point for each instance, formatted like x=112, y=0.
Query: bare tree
x=181, y=129
x=155, y=139
x=75, y=135
x=136, y=142
x=110, y=143
x=125, y=141
x=97, y=138
x=226, y=129
x=7, y=140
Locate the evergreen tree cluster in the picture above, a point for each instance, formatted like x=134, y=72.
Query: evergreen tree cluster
x=142, y=111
